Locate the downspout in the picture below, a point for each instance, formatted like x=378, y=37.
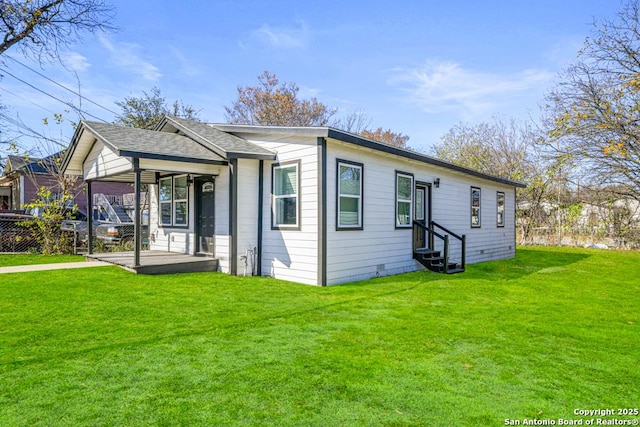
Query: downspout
x=322, y=211
x=258, y=254
x=233, y=216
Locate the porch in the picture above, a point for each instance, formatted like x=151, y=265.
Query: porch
x=158, y=262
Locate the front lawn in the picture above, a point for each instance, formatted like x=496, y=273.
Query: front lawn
x=540, y=336
x=7, y=260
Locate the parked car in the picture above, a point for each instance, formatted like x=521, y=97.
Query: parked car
x=120, y=235
x=77, y=222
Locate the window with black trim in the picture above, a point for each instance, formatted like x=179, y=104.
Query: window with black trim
x=349, y=195
x=500, y=208
x=404, y=200
x=173, y=200
x=285, y=203
x=475, y=207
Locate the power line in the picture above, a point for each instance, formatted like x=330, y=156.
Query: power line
x=28, y=100
x=63, y=86
x=33, y=132
x=69, y=104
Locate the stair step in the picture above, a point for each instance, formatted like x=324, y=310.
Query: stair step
x=426, y=252
x=455, y=270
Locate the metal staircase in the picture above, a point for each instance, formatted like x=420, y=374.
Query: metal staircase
x=110, y=211
x=431, y=257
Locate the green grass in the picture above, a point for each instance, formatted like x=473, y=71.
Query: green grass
x=535, y=337
x=7, y=260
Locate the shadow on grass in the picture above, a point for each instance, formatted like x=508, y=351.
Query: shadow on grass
x=527, y=261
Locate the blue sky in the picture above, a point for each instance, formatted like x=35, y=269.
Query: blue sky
x=417, y=67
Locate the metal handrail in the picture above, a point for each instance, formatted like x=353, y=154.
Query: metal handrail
x=446, y=230
x=445, y=239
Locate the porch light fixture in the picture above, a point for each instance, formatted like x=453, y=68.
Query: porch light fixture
x=436, y=182
x=189, y=180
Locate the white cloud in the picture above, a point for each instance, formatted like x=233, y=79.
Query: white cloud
x=283, y=37
x=440, y=87
x=126, y=56
x=187, y=66
x=76, y=62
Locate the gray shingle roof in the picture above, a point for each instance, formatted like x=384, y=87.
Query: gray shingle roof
x=133, y=142
x=225, y=144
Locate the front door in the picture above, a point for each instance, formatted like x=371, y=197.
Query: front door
x=421, y=214
x=205, y=214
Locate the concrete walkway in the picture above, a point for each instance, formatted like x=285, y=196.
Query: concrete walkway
x=59, y=266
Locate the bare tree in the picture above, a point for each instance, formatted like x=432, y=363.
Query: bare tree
x=593, y=115
x=39, y=28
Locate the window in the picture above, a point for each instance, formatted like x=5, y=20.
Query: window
x=420, y=194
x=349, y=196
x=475, y=207
x=285, y=196
x=173, y=198
x=500, y=201
x=404, y=199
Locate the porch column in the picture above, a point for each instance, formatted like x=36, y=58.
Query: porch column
x=137, y=228
x=89, y=219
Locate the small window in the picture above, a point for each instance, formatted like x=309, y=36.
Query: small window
x=173, y=198
x=475, y=207
x=500, y=201
x=404, y=200
x=420, y=203
x=164, y=197
x=349, y=196
x=285, y=196
x=180, y=200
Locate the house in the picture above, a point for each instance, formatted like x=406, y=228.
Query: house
x=22, y=177
x=313, y=205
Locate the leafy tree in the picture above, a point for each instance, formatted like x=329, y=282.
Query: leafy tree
x=504, y=149
x=39, y=28
x=594, y=111
x=145, y=112
x=387, y=136
x=273, y=104
x=511, y=150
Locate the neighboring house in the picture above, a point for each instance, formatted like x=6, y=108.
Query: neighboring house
x=316, y=205
x=22, y=177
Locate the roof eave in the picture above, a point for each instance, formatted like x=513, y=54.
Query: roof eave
x=152, y=156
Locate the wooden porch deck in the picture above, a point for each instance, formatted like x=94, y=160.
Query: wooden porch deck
x=158, y=262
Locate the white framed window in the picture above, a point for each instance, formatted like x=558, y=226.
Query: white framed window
x=349, y=195
x=475, y=207
x=500, y=208
x=285, y=196
x=404, y=200
x=173, y=201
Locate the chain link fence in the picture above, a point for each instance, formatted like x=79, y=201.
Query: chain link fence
x=17, y=237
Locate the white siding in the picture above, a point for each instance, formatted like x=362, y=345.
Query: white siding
x=221, y=240
x=170, y=239
x=182, y=239
x=380, y=248
x=247, y=238
x=102, y=162
x=292, y=254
